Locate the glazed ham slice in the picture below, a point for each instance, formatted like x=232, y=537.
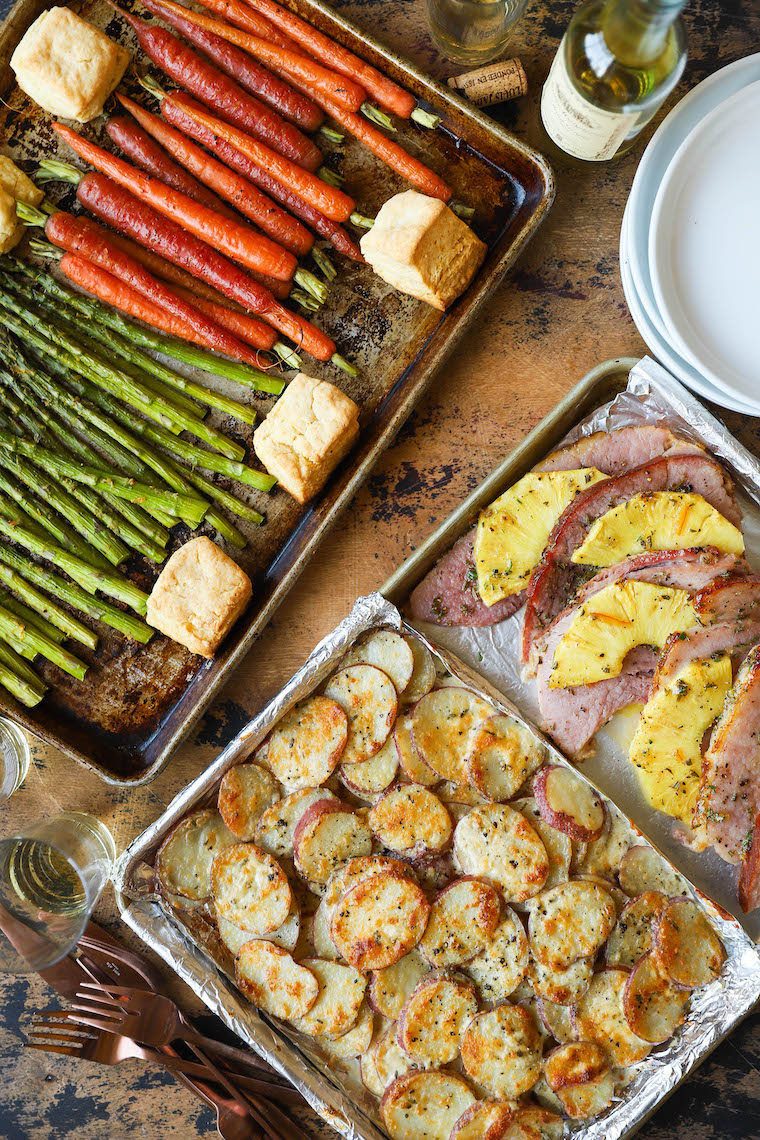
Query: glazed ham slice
x=448, y=594
x=732, y=599
x=555, y=581
x=572, y=715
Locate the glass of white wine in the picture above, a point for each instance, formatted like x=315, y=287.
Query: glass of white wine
x=14, y=758
x=50, y=878
x=472, y=31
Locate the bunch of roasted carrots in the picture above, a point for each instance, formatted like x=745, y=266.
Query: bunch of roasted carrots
x=230, y=147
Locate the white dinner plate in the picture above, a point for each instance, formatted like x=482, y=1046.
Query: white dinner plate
x=704, y=246
x=675, y=127
x=659, y=346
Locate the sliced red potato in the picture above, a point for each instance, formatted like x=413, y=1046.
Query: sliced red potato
x=450, y=793
x=390, y=988
x=354, y=1043
x=463, y=918
x=546, y=1097
x=244, y=793
x=411, y=820
x=342, y=880
x=564, y=986
x=568, y=803
x=307, y=743
x=341, y=993
x=557, y=1020
x=503, y=753
x=390, y=1060
x=604, y=855
x=379, y=920
x=368, y=698
x=285, y=936
x=432, y=1022
x=498, y=844
x=436, y=873
x=581, y=1077
x=568, y=922
x=632, y=936
x=501, y=1051
x=424, y=1106
x=644, y=869
x=686, y=948
x=607, y=884
x=183, y=862
x=545, y=1123
x=274, y=830
x=654, y=1006
x=414, y=768
x=250, y=889
x=486, y=1120
x=324, y=946
x=559, y=846
x=441, y=725
x=500, y=968
x=423, y=674
x=388, y=651
x=600, y=1016
x=370, y=777
x=328, y=834
x=273, y=981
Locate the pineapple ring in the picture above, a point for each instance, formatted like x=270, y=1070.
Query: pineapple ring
x=613, y=621
x=513, y=531
x=657, y=520
x=666, y=748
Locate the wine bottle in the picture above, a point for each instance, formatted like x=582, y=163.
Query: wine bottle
x=617, y=63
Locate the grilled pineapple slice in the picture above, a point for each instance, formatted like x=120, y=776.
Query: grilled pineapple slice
x=657, y=520
x=621, y=616
x=513, y=530
x=667, y=746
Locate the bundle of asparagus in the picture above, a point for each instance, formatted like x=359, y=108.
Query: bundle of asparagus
x=93, y=469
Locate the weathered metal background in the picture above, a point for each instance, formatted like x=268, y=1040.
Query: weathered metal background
x=137, y=703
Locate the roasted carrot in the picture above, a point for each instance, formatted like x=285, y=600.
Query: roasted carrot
x=118, y=208
x=243, y=68
x=77, y=236
x=174, y=108
x=235, y=240
x=150, y=157
x=251, y=21
x=194, y=290
x=387, y=93
x=285, y=62
x=323, y=197
x=222, y=94
x=248, y=199
x=119, y=295
x=240, y=324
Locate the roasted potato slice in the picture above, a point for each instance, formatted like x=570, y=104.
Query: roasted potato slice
x=390, y=988
x=432, y=1022
x=276, y=825
x=632, y=936
x=379, y=920
x=441, y=726
x=486, y=1120
x=412, y=765
x=423, y=674
x=581, y=1077
x=686, y=948
x=411, y=820
x=503, y=754
x=568, y=922
x=463, y=918
x=644, y=869
x=328, y=834
x=654, y=1006
x=184, y=859
x=388, y=651
x=424, y=1106
x=285, y=936
x=244, y=793
x=600, y=1016
x=501, y=1051
x=250, y=889
x=559, y=845
x=568, y=803
x=563, y=986
x=307, y=743
x=500, y=968
x=496, y=843
x=273, y=981
x=368, y=697
x=371, y=777
x=340, y=997
x=354, y=1043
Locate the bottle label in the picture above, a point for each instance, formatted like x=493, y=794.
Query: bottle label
x=576, y=125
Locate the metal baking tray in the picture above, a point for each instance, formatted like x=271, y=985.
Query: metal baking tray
x=333, y=1093
x=135, y=705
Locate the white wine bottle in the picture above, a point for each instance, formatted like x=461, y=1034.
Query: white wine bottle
x=617, y=63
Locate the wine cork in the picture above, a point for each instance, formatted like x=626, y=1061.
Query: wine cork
x=495, y=83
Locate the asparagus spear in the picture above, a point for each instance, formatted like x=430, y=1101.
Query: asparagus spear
x=17, y=632
x=18, y=687
x=51, y=339
x=48, y=609
x=93, y=579
x=27, y=615
x=130, y=336
x=187, y=507
x=15, y=662
x=72, y=595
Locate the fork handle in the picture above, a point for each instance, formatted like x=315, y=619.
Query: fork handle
x=230, y=1052
x=179, y=1065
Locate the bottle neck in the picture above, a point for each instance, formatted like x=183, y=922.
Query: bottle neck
x=635, y=31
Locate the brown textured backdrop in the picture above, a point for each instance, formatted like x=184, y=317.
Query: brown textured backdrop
x=561, y=312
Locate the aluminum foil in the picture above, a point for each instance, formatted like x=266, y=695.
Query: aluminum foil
x=337, y=1096
x=652, y=396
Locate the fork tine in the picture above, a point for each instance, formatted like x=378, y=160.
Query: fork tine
x=104, y=1023
x=64, y=1050
x=122, y=991
x=61, y=1014
x=111, y=1011
x=90, y=999
x=72, y=1038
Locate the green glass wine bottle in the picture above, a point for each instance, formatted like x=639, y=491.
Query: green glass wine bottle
x=617, y=63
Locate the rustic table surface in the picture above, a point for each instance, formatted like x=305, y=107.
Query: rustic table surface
x=558, y=314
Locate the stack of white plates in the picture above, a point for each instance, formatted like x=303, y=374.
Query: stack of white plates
x=690, y=240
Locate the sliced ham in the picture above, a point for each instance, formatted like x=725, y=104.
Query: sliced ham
x=554, y=582
x=729, y=798
x=572, y=715
x=733, y=599
x=749, y=874
x=703, y=641
x=448, y=594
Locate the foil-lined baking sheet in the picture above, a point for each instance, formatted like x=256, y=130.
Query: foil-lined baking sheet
x=652, y=396
x=337, y=1095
